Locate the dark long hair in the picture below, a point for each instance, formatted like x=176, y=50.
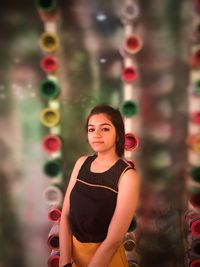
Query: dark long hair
x=115, y=117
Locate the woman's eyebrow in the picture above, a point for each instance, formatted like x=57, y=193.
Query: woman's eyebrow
x=102, y=124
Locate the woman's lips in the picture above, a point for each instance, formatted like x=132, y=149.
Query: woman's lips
x=97, y=142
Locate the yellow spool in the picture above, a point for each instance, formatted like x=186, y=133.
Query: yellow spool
x=49, y=42
x=50, y=117
x=196, y=145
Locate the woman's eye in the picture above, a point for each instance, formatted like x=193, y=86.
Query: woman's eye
x=105, y=129
x=90, y=130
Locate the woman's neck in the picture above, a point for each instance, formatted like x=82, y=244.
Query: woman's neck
x=107, y=157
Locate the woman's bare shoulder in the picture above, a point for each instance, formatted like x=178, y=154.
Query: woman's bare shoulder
x=80, y=161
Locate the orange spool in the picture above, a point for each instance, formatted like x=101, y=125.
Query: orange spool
x=133, y=44
x=194, y=142
x=195, y=59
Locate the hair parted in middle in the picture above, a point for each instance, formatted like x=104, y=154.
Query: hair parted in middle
x=115, y=117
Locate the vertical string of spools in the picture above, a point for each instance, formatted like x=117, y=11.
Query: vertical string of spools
x=50, y=118
x=131, y=45
x=192, y=214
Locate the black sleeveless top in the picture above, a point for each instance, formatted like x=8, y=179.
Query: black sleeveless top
x=93, y=200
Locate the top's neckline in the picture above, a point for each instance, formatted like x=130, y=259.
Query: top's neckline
x=102, y=171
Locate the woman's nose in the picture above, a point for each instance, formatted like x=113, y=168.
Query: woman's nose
x=97, y=133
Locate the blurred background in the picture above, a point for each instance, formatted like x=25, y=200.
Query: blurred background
x=60, y=58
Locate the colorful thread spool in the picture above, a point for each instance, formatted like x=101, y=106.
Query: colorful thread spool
x=195, y=247
x=51, y=143
x=194, y=200
x=129, y=242
x=129, y=74
x=49, y=117
x=197, y=5
x=53, y=260
x=129, y=108
x=194, y=142
x=195, y=59
x=47, y=9
x=191, y=259
x=49, y=42
x=46, y=5
x=195, y=117
x=53, y=195
x=195, y=174
x=52, y=168
x=132, y=258
x=197, y=87
x=133, y=225
x=49, y=88
x=129, y=13
x=54, y=214
x=132, y=263
x=53, y=237
x=193, y=221
x=195, y=263
x=131, y=142
x=132, y=44
x=49, y=64
x=196, y=32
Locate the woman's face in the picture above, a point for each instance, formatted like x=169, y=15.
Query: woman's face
x=101, y=133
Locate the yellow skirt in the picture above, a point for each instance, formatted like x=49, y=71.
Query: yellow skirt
x=83, y=252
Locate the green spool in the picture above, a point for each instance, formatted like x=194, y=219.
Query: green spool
x=197, y=87
x=133, y=225
x=52, y=168
x=49, y=89
x=46, y=5
x=195, y=173
x=129, y=108
x=192, y=190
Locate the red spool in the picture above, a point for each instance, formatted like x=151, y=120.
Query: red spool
x=197, y=5
x=54, y=214
x=51, y=143
x=193, y=220
x=195, y=263
x=195, y=59
x=53, y=260
x=129, y=74
x=49, y=64
x=131, y=142
x=195, y=117
x=195, y=228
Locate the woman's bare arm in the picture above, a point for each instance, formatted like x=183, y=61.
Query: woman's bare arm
x=127, y=201
x=65, y=236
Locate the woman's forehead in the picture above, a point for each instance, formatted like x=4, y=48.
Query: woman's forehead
x=99, y=119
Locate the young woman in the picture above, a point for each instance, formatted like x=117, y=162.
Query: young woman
x=101, y=197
